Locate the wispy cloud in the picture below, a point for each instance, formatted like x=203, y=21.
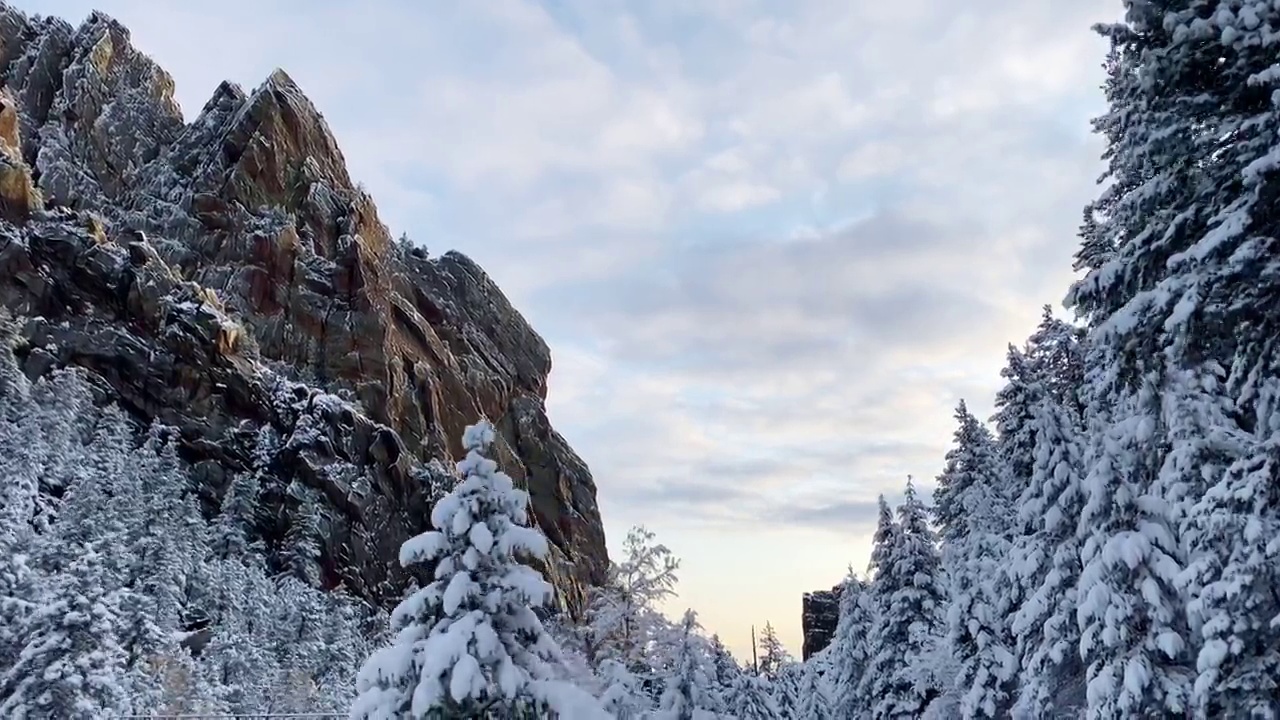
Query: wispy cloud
x=770, y=244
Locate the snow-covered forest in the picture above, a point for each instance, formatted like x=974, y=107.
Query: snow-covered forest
x=1106, y=546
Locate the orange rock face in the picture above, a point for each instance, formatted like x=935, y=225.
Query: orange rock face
x=246, y=283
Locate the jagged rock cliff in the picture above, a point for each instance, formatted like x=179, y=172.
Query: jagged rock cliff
x=227, y=276
x=820, y=612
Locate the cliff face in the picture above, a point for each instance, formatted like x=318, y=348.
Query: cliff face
x=820, y=612
x=227, y=277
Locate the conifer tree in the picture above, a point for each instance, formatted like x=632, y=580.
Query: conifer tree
x=1233, y=579
x=1158, y=241
x=786, y=690
x=974, y=513
x=687, y=693
x=814, y=703
x=1048, y=368
x=752, y=699
x=908, y=596
x=722, y=661
x=849, y=646
x=623, y=695
x=72, y=664
x=1045, y=563
x=772, y=655
x=469, y=644
x=1197, y=116
x=971, y=462
x=724, y=669
x=234, y=527
x=623, y=619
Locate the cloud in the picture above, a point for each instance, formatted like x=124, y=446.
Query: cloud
x=770, y=244
x=842, y=514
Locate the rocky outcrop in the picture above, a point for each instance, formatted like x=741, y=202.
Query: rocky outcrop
x=227, y=277
x=820, y=612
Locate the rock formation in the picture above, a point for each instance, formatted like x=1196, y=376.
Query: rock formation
x=227, y=277
x=820, y=611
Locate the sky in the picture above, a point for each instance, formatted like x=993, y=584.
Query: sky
x=771, y=244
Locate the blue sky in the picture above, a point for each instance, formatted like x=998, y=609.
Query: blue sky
x=771, y=244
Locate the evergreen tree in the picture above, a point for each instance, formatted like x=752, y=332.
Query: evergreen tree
x=753, y=699
x=1205, y=77
x=72, y=664
x=975, y=547
x=1049, y=368
x=971, y=462
x=724, y=669
x=1233, y=581
x=302, y=540
x=623, y=618
x=469, y=644
x=623, y=696
x=849, y=646
x=234, y=527
x=814, y=703
x=786, y=690
x=687, y=694
x=908, y=596
x=1045, y=565
x=1158, y=244
x=240, y=656
x=772, y=655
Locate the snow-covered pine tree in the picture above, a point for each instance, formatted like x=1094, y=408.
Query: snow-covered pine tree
x=1045, y=561
x=971, y=461
x=724, y=668
x=786, y=690
x=974, y=513
x=753, y=699
x=19, y=498
x=72, y=664
x=687, y=694
x=623, y=696
x=234, y=528
x=908, y=597
x=772, y=655
x=1167, y=301
x=1049, y=367
x=1210, y=77
x=849, y=646
x=623, y=616
x=1235, y=602
x=301, y=549
x=240, y=651
x=814, y=703
x=884, y=662
x=469, y=644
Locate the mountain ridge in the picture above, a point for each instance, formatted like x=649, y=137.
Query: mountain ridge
x=194, y=269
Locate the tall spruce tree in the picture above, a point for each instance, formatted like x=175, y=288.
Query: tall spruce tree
x=786, y=690
x=849, y=646
x=974, y=514
x=72, y=663
x=1045, y=561
x=772, y=655
x=1211, y=71
x=971, y=462
x=469, y=644
x=909, y=598
x=623, y=615
x=814, y=702
x=1163, y=249
x=753, y=699
x=687, y=693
